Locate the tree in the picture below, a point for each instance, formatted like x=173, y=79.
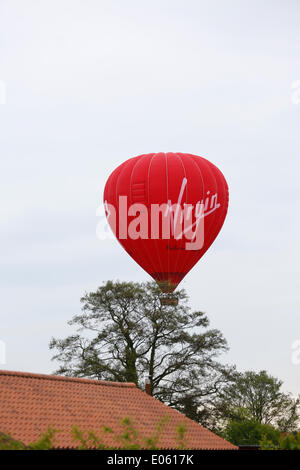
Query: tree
x=257, y=397
x=250, y=432
x=125, y=334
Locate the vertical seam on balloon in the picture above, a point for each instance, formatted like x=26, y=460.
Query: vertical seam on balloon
x=201, y=176
x=122, y=170
x=150, y=258
x=113, y=194
x=217, y=188
x=223, y=182
x=155, y=241
x=116, y=189
x=144, y=252
x=120, y=173
x=167, y=177
x=131, y=175
x=130, y=188
x=216, y=224
x=179, y=251
x=118, y=177
x=208, y=165
x=117, y=203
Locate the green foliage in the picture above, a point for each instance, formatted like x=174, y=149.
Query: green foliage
x=129, y=439
x=257, y=397
x=180, y=438
x=8, y=443
x=125, y=334
x=287, y=441
x=152, y=442
x=290, y=441
x=250, y=432
x=89, y=439
x=267, y=444
x=44, y=442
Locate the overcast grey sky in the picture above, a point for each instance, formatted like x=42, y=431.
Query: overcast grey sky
x=92, y=83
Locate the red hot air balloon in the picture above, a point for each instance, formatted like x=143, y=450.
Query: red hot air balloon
x=166, y=209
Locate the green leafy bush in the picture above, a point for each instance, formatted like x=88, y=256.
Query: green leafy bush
x=286, y=441
x=250, y=432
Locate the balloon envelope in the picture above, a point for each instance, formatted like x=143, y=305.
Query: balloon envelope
x=166, y=209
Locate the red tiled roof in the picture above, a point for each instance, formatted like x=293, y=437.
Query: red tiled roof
x=31, y=403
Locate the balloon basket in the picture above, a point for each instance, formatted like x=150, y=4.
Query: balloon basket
x=169, y=299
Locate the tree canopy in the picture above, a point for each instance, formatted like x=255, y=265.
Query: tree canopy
x=258, y=397
x=250, y=432
x=125, y=334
